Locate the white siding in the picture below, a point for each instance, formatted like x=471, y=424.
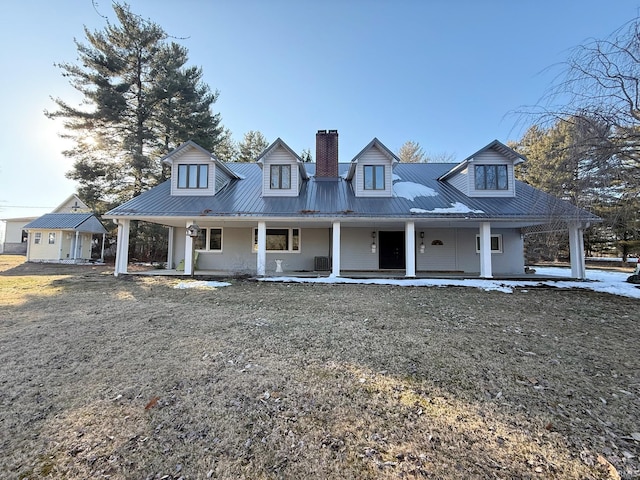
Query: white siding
x=490, y=158
x=280, y=156
x=461, y=181
x=355, y=249
x=510, y=261
x=373, y=156
x=192, y=156
x=441, y=258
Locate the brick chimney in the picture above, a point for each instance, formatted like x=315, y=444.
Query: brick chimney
x=327, y=154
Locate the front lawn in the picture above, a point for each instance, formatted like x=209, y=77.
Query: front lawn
x=128, y=377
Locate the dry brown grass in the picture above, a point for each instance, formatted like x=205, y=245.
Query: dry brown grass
x=130, y=378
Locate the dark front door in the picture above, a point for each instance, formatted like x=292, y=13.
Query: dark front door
x=392, y=255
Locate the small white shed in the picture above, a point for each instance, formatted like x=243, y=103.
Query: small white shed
x=63, y=237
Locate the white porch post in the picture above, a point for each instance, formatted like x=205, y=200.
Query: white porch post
x=485, y=250
x=122, y=250
x=188, y=250
x=410, y=241
x=261, y=261
x=576, y=252
x=102, y=249
x=29, y=240
x=170, y=248
x=75, y=248
x=335, y=247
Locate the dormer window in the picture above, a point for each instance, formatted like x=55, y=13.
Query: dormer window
x=193, y=175
x=373, y=177
x=491, y=177
x=280, y=176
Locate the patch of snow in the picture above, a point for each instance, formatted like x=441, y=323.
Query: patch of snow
x=395, y=177
x=201, y=284
x=613, y=283
x=456, y=207
x=411, y=190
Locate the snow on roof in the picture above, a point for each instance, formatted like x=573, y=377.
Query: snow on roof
x=455, y=207
x=411, y=190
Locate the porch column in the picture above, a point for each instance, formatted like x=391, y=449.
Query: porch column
x=335, y=248
x=188, y=250
x=170, y=248
x=122, y=247
x=29, y=240
x=410, y=241
x=262, y=249
x=104, y=235
x=576, y=252
x=75, y=248
x=485, y=250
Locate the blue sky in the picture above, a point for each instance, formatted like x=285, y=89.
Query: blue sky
x=447, y=74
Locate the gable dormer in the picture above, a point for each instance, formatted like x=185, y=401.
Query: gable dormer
x=195, y=171
x=283, y=171
x=487, y=173
x=371, y=171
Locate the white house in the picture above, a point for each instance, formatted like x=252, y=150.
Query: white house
x=371, y=214
x=13, y=236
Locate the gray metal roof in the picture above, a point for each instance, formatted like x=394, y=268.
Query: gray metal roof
x=336, y=198
x=80, y=222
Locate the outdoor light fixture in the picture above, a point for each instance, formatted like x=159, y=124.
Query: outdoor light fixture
x=193, y=231
x=421, y=242
x=373, y=243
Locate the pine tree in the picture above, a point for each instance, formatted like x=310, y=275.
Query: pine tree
x=139, y=102
x=251, y=146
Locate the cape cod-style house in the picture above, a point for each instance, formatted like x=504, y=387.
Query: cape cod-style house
x=371, y=214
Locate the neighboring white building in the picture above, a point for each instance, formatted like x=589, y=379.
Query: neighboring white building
x=63, y=237
x=13, y=236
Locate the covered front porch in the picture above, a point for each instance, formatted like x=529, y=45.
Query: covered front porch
x=359, y=248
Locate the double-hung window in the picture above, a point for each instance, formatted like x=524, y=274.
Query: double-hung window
x=280, y=177
x=373, y=177
x=496, y=243
x=279, y=240
x=37, y=238
x=193, y=175
x=52, y=238
x=491, y=177
x=209, y=239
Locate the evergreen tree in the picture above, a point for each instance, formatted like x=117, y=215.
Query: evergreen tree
x=411, y=152
x=251, y=146
x=227, y=148
x=139, y=102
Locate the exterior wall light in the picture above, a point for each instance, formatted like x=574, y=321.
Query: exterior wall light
x=373, y=242
x=421, y=242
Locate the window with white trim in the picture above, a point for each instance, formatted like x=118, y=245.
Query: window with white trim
x=37, y=237
x=209, y=239
x=496, y=243
x=279, y=240
x=280, y=177
x=492, y=177
x=52, y=238
x=373, y=177
x=193, y=175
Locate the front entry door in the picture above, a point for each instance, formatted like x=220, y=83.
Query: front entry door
x=392, y=250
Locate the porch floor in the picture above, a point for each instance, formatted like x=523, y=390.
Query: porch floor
x=387, y=274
